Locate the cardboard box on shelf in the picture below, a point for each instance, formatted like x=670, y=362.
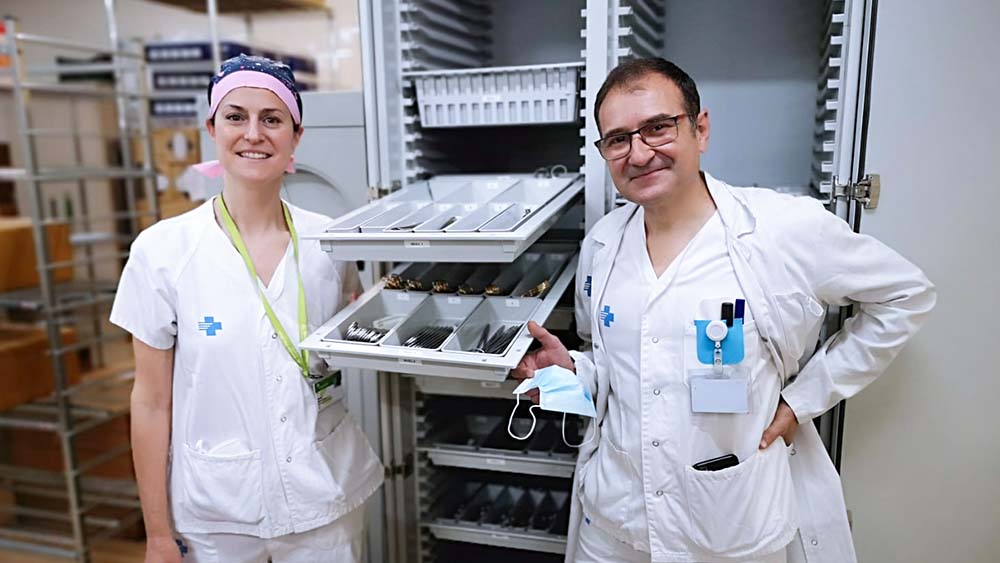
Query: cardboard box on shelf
x=41, y=449
x=27, y=368
x=18, y=264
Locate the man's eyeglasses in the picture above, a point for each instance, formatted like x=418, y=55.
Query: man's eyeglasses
x=655, y=134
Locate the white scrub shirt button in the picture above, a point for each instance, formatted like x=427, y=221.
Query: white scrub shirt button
x=288, y=459
x=656, y=391
x=656, y=443
x=660, y=494
x=655, y=340
x=815, y=542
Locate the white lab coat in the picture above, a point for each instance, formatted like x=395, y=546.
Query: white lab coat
x=251, y=452
x=791, y=257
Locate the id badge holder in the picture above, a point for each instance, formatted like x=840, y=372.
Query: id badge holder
x=723, y=386
x=727, y=392
x=328, y=390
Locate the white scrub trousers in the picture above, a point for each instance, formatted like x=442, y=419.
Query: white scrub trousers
x=338, y=542
x=596, y=546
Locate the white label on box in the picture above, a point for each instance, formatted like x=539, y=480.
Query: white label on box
x=416, y=243
x=513, y=303
x=490, y=98
x=495, y=461
x=410, y=361
x=489, y=384
x=403, y=296
x=454, y=300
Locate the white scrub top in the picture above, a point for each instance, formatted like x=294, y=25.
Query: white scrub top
x=251, y=451
x=643, y=490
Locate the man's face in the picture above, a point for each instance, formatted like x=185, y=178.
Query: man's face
x=648, y=175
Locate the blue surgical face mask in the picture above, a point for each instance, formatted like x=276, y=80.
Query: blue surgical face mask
x=561, y=391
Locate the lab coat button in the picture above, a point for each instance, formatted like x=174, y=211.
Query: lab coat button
x=655, y=340
x=598, y=346
x=656, y=443
x=288, y=459
x=656, y=391
x=284, y=418
x=274, y=335
x=815, y=542
x=278, y=379
x=660, y=494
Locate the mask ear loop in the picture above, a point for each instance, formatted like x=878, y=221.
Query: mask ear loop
x=510, y=421
x=581, y=444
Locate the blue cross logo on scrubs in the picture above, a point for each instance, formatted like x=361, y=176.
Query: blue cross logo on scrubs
x=606, y=316
x=210, y=325
x=586, y=285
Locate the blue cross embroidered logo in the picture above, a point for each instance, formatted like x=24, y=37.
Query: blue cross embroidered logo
x=210, y=325
x=586, y=285
x=182, y=548
x=606, y=316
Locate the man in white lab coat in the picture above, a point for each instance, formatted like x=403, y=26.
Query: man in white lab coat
x=698, y=301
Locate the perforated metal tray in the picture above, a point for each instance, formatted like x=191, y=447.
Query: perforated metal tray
x=461, y=219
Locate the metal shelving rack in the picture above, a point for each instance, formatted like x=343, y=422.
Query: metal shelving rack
x=101, y=396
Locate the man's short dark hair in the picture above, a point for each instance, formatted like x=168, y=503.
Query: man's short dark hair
x=632, y=71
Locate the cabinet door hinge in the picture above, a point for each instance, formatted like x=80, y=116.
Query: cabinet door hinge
x=865, y=191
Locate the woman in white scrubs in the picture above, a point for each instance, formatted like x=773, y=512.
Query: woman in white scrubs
x=243, y=447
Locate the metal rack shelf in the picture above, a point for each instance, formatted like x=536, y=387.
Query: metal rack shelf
x=102, y=396
x=66, y=296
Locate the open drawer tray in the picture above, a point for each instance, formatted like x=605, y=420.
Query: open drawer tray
x=453, y=219
x=481, y=441
x=471, y=320
x=502, y=515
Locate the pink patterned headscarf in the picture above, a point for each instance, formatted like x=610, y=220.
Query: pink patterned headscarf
x=252, y=72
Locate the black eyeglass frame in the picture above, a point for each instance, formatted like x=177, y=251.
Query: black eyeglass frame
x=631, y=134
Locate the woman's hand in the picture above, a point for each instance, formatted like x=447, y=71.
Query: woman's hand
x=162, y=549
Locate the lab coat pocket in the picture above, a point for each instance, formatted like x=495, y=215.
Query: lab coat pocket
x=347, y=457
x=739, y=511
x=802, y=318
x=223, y=488
x=608, y=483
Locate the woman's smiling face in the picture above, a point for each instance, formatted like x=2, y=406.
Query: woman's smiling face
x=254, y=135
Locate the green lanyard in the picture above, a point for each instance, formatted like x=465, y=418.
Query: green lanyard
x=301, y=357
